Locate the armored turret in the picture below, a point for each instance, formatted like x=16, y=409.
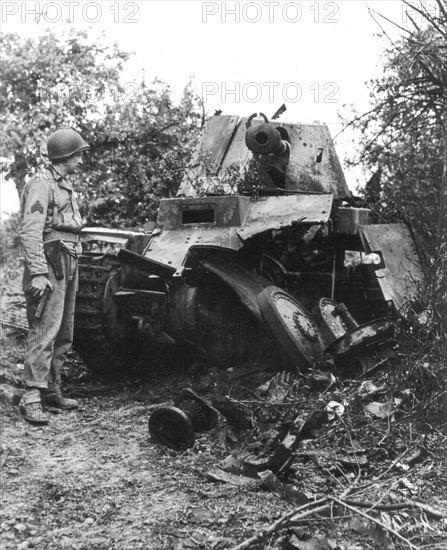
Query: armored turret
x=290, y=156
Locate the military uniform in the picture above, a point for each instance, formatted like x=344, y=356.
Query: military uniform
x=50, y=215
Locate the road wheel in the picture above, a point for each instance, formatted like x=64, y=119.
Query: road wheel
x=170, y=426
x=292, y=325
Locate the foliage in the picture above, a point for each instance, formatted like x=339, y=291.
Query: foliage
x=404, y=141
x=138, y=145
x=423, y=341
x=207, y=177
x=49, y=83
x=135, y=131
x=403, y=134
x=9, y=238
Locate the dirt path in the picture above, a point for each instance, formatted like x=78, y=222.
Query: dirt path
x=92, y=479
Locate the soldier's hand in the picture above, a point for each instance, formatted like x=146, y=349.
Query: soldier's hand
x=38, y=285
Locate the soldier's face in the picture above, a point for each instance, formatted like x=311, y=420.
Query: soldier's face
x=73, y=162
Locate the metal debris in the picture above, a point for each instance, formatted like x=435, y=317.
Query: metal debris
x=175, y=425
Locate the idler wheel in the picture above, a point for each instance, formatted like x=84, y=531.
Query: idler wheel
x=172, y=427
x=292, y=325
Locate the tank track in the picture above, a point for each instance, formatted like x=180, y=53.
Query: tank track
x=94, y=319
x=105, y=344
x=93, y=322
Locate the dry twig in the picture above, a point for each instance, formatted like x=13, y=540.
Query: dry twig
x=397, y=506
x=383, y=474
x=374, y=520
x=296, y=515
x=282, y=522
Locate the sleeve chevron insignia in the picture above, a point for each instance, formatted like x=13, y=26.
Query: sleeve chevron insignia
x=37, y=207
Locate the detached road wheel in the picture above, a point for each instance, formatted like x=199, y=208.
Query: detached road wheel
x=170, y=426
x=292, y=325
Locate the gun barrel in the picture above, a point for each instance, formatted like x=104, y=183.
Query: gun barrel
x=264, y=139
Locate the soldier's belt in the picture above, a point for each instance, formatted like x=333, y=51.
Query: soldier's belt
x=66, y=236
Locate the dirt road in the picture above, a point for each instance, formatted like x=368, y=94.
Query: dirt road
x=92, y=479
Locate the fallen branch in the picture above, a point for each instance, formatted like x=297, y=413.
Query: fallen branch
x=433, y=511
x=296, y=515
x=374, y=520
x=282, y=521
x=398, y=506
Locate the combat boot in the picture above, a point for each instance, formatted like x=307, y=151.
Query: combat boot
x=57, y=401
x=33, y=413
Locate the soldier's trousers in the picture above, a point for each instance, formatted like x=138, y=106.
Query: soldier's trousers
x=51, y=336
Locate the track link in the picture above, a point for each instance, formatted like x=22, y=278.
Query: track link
x=92, y=315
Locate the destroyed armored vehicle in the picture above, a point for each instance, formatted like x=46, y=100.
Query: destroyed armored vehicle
x=263, y=248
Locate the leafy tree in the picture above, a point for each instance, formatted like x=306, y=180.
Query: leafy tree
x=404, y=134
x=136, y=131
x=139, y=157
x=404, y=139
x=49, y=83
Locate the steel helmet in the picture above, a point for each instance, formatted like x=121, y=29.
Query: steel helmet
x=65, y=142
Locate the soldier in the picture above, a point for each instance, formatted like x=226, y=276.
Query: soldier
x=50, y=237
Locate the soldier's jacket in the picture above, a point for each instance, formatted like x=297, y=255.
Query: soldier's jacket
x=48, y=204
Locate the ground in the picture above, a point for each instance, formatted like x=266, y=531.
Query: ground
x=94, y=479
